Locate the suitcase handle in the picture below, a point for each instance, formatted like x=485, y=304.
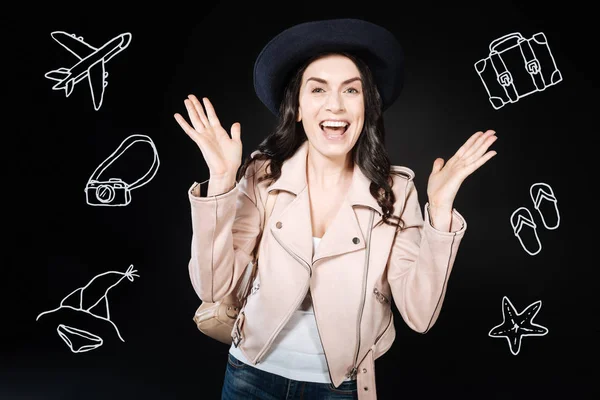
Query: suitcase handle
x=495, y=43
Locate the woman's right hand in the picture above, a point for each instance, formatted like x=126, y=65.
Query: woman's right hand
x=222, y=154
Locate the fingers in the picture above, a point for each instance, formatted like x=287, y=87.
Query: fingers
x=199, y=110
x=482, y=160
x=204, y=122
x=236, y=131
x=480, y=148
x=437, y=165
x=467, y=145
x=201, y=120
x=194, y=117
x=481, y=139
x=186, y=127
x=210, y=112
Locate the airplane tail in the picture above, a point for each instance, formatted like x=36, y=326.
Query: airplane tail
x=62, y=75
x=58, y=74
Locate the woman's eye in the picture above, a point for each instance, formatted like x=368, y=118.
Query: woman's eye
x=321, y=90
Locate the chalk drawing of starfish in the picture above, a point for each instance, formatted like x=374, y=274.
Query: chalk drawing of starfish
x=517, y=325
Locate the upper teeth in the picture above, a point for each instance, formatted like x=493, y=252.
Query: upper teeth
x=334, y=123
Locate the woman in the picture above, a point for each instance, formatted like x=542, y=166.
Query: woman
x=320, y=312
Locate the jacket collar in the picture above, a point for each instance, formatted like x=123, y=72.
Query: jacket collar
x=293, y=179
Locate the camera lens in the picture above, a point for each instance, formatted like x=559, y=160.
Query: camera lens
x=105, y=194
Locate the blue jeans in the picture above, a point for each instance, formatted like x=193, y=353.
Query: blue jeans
x=245, y=382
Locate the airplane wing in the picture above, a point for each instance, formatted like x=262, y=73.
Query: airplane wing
x=97, y=80
x=74, y=44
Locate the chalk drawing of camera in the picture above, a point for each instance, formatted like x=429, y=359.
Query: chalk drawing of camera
x=114, y=191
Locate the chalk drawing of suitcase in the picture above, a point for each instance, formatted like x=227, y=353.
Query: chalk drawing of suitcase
x=517, y=67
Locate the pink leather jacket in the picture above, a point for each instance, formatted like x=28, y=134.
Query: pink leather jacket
x=357, y=269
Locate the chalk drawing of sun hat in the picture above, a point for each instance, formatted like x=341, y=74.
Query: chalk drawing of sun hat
x=547, y=209
x=520, y=218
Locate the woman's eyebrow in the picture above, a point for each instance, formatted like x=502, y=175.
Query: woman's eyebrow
x=323, y=81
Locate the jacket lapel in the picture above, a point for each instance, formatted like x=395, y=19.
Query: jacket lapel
x=347, y=231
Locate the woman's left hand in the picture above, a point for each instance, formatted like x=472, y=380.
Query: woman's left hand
x=445, y=180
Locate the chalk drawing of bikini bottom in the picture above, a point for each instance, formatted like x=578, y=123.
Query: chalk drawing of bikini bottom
x=78, y=340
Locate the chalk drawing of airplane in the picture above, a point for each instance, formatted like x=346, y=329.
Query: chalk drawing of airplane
x=90, y=65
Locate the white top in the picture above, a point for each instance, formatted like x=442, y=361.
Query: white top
x=297, y=352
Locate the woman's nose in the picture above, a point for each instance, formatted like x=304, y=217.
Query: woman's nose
x=334, y=103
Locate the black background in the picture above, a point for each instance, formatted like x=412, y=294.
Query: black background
x=57, y=243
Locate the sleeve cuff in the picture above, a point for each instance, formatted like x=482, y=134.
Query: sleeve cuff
x=198, y=192
x=458, y=225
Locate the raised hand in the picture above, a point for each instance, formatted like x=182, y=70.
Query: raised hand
x=222, y=154
x=445, y=180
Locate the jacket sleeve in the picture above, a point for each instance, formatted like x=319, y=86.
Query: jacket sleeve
x=421, y=261
x=225, y=229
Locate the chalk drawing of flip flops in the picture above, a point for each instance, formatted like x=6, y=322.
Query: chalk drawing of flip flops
x=528, y=237
x=545, y=203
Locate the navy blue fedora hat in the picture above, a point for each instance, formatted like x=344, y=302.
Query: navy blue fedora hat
x=375, y=45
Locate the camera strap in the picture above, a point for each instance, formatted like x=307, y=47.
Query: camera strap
x=127, y=143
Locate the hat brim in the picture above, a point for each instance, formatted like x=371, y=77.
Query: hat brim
x=375, y=45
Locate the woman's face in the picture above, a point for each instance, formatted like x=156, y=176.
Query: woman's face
x=331, y=105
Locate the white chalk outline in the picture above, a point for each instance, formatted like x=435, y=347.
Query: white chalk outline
x=515, y=325
x=64, y=329
x=90, y=65
x=105, y=192
x=544, y=192
x=130, y=273
x=518, y=224
x=531, y=66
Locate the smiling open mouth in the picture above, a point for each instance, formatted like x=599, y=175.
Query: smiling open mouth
x=334, y=129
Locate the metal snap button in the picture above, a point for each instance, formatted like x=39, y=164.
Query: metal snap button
x=355, y=240
x=278, y=224
x=364, y=370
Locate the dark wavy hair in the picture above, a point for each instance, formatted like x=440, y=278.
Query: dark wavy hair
x=368, y=153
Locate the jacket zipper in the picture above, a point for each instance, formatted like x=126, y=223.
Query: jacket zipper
x=380, y=296
x=354, y=370
x=309, y=267
x=378, y=337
